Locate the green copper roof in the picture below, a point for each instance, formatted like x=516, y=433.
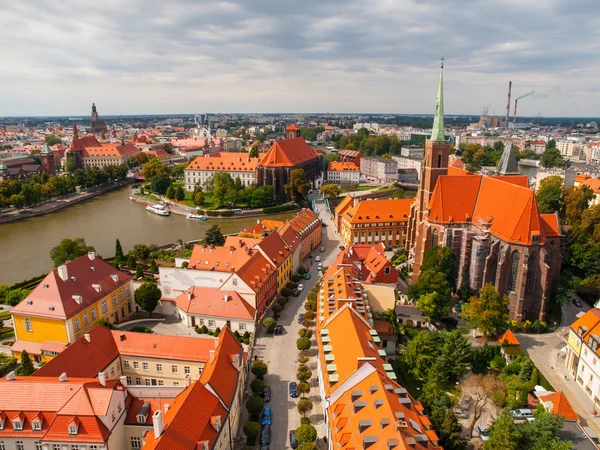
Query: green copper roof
x=3, y=167
x=46, y=150
x=437, y=132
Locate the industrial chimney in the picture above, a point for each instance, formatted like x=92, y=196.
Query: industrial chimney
x=515, y=116
x=508, y=103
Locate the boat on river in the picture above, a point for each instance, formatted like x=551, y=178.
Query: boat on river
x=161, y=210
x=196, y=217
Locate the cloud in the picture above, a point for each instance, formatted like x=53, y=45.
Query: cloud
x=184, y=56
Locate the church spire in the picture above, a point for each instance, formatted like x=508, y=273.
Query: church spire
x=437, y=132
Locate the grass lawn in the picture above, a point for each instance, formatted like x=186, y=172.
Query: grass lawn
x=6, y=332
x=363, y=188
x=4, y=315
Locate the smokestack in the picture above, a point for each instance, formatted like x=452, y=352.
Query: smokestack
x=158, y=425
x=508, y=103
x=515, y=116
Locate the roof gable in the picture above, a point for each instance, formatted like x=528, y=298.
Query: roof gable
x=289, y=153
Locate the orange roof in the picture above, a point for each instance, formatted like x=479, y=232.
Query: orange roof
x=519, y=180
x=559, y=405
x=110, y=149
x=220, y=259
x=274, y=249
x=292, y=127
x=225, y=162
x=240, y=242
x=289, y=236
x=256, y=272
x=337, y=290
x=587, y=324
x=214, y=302
x=339, y=166
x=288, y=153
x=509, y=338
x=344, y=204
x=384, y=210
x=261, y=227
x=550, y=225
x=593, y=184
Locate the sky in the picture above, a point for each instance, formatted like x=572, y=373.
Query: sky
x=379, y=56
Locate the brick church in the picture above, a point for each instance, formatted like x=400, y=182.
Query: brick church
x=492, y=224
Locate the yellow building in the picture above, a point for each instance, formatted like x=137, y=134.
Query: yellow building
x=279, y=254
x=67, y=304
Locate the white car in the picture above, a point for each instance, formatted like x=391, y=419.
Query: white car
x=320, y=266
x=317, y=258
x=300, y=287
x=521, y=413
x=484, y=433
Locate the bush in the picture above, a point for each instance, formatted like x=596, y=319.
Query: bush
x=246, y=335
x=296, y=278
x=269, y=324
x=301, y=270
x=304, y=406
x=303, y=388
x=303, y=344
x=140, y=329
x=310, y=306
x=305, y=333
x=257, y=386
x=236, y=333
x=217, y=331
x=251, y=430
x=310, y=315
x=277, y=308
x=282, y=300
x=290, y=285
x=259, y=369
x=14, y=296
x=227, y=213
x=286, y=292
x=277, y=209
x=204, y=329
x=306, y=433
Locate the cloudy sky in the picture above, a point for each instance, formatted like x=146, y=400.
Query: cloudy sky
x=186, y=56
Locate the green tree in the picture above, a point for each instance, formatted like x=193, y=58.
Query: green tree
x=71, y=164
x=153, y=168
x=304, y=406
x=429, y=281
x=303, y=374
x=549, y=194
x=26, y=368
x=153, y=266
x=262, y=196
x=526, y=370
x=269, y=323
x=254, y=151
x=575, y=202
x=332, y=157
x=552, y=158
x=306, y=433
x=198, y=198
x=443, y=260
x=421, y=351
x=147, y=296
x=251, y=430
x=298, y=185
x=257, y=386
x=52, y=140
x=131, y=261
x=14, y=296
x=170, y=194
x=504, y=434
x=488, y=312
x=303, y=388
x=179, y=194
x=255, y=405
x=4, y=288
x=331, y=191
x=259, y=368
x=303, y=344
x=177, y=172
x=434, y=305
x=160, y=183
x=119, y=252
x=68, y=250
x=308, y=446
x=449, y=429
x=222, y=185
x=214, y=236
x=139, y=272
x=456, y=354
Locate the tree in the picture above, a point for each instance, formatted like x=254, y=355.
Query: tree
x=198, y=198
x=303, y=344
x=68, y=250
x=306, y=433
x=303, y=388
x=251, y=430
x=421, y=351
x=443, y=260
x=139, y=272
x=298, y=185
x=153, y=266
x=119, y=252
x=259, y=368
x=456, y=354
x=257, y=386
x=160, y=184
x=214, y=236
x=331, y=191
x=434, y=305
x=269, y=323
x=254, y=152
x=310, y=315
x=304, y=406
x=131, y=261
x=575, y=201
x=482, y=389
x=255, y=405
x=308, y=446
x=332, y=157
x=448, y=427
x=504, y=434
x=261, y=196
x=179, y=194
x=4, y=288
x=170, y=194
x=552, y=158
x=14, y=296
x=303, y=374
x=222, y=184
x=52, y=140
x=488, y=312
x=549, y=194
x=147, y=296
x=154, y=168
x=26, y=364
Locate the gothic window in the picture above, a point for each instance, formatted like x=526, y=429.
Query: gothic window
x=513, y=273
x=439, y=162
x=434, y=238
x=531, y=272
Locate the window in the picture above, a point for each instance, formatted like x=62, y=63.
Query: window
x=72, y=430
x=146, y=367
x=136, y=442
x=200, y=321
x=138, y=380
x=112, y=372
x=126, y=364
x=174, y=369
x=85, y=319
x=212, y=323
x=128, y=380
x=76, y=324
x=161, y=383
x=128, y=307
x=93, y=313
x=531, y=266
x=388, y=270
x=118, y=366
x=175, y=383
x=37, y=425
x=19, y=445
x=38, y=445
x=434, y=238
x=28, y=324
x=104, y=307
x=513, y=273
x=242, y=327
x=159, y=367
x=120, y=296
x=74, y=446
x=127, y=291
x=2, y=445
x=55, y=446
x=136, y=365
x=114, y=299
x=112, y=416
x=148, y=382
x=93, y=447
x=18, y=425
x=186, y=369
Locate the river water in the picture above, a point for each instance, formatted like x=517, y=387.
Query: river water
x=25, y=245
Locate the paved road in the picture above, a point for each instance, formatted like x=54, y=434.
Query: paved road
x=280, y=352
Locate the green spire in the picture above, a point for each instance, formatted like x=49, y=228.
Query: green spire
x=437, y=132
x=46, y=150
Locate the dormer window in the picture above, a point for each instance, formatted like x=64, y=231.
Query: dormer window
x=73, y=427
x=37, y=425
x=73, y=430
x=18, y=425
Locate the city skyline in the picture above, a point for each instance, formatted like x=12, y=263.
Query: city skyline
x=271, y=57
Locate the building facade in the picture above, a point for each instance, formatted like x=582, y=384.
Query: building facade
x=343, y=173
x=237, y=165
x=383, y=170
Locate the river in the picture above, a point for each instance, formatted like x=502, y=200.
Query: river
x=25, y=245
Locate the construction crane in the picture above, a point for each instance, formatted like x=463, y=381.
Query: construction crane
x=485, y=110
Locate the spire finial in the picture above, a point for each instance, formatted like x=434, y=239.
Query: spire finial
x=437, y=131
x=442, y=59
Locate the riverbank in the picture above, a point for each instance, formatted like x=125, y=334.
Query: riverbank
x=61, y=203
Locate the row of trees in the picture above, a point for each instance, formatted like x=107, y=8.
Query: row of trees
x=228, y=190
x=370, y=145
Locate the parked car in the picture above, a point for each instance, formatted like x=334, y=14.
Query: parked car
x=300, y=287
x=465, y=402
x=317, y=258
x=484, y=433
x=266, y=420
x=296, y=293
x=460, y=413
x=267, y=393
x=322, y=249
x=307, y=276
x=320, y=266
x=265, y=434
x=521, y=413
x=293, y=440
x=278, y=329
x=293, y=389
x=576, y=302
x=300, y=318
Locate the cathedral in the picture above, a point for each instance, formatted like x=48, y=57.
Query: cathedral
x=97, y=126
x=491, y=223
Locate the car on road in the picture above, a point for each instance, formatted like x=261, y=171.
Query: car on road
x=267, y=393
x=320, y=266
x=278, y=329
x=266, y=420
x=265, y=434
x=484, y=433
x=300, y=318
x=521, y=413
x=460, y=413
x=576, y=302
x=293, y=440
x=293, y=389
x=296, y=293
x=300, y=287
x=307, y=276
x=317, y=258
x=322, y=249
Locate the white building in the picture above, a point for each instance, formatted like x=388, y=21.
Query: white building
x=383, y=170
x=408, y=163
x=237, y=164
x=570, y=149
x=343, y=173
x=413, y=151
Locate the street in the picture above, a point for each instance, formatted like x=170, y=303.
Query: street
x=280, y=352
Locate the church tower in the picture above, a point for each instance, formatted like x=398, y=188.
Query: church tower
x=94, y=113
x=292, y=132
x=435, y=164
x=47, y=158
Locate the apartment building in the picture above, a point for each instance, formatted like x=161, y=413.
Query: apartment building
x=238, y=165
x=307, y=226
x=343, y=173
x=383, y=170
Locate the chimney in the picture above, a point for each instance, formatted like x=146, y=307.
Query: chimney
x=102, y=378
x=166, y=408
x=123, y=380
x=508, y=103
x=237, y=361
x=515, y=116
x=62, y=377
x=11, y=376
x=187, y=380
x=189, y=295
x=92, y=256
x=157, y=421
x=87, y=337
x=211, y=357
x=63, y=273
x=121, y=337
x=226, y=296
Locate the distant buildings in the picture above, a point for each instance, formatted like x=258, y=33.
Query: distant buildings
x=383, y=170
x=97, y=126
x=592, y=183
x=352, y=156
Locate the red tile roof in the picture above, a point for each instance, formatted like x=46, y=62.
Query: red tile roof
x=288, y=153
x=292, y=127
x=225, y=162
x=256, y=272
x=275, y=249
x=382, y=210
x=338, y=166
x=211, y=302
x=220, y=259
x=110, y=149
x=509, y=338
x=559, y=405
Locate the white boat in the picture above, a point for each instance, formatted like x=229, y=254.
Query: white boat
x=196, y=217
x=161, y=210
